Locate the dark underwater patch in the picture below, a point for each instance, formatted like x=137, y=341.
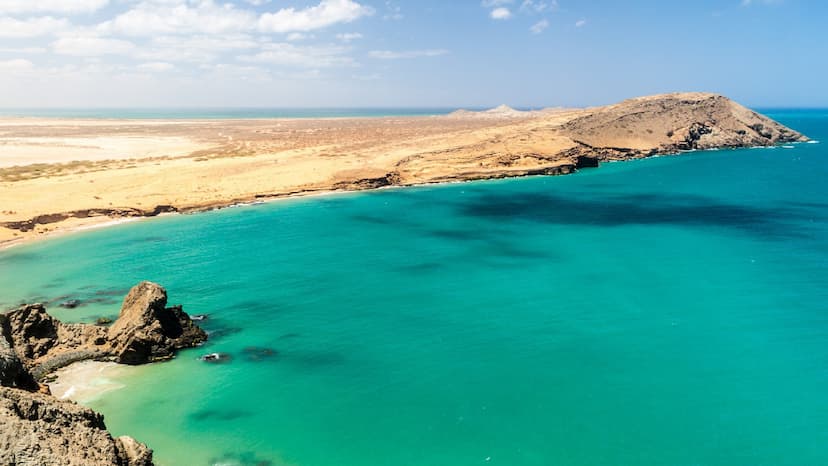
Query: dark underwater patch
x=313, y=359
x=219, y=415
x=218, y=332
x=16, y=257
x=258, y=353
x=240, y=459
x=634, y=209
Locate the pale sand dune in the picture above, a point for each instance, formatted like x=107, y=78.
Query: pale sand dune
x=31, y=150
x=141, y=168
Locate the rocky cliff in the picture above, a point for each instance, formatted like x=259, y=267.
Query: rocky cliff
x=38, y=429
x=670, y=123
x=561, y=141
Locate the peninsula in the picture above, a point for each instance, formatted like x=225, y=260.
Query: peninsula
x=57, y=175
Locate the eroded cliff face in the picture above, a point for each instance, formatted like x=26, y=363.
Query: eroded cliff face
x=38, y=429
x=670, y=123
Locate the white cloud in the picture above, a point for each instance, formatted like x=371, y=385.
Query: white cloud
x=24, y=50
x=174, y=17
x=31, y=27
x=297, y=36
x=197, y=49
x=349, y=36
x=501, y=13
x=327, y=13
x=158, y=66
x=91, y=46
x=18, y=64
x=580, y=23
x=539, y=27
x=286, y=54
x=51, y=6
x=392, y=55
x=393, y=12
x=538, y=6
x=494, y=3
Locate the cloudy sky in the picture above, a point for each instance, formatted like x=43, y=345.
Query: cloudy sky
x=335, y=53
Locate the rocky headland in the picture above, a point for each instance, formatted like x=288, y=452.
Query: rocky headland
x=37, y=428
x=242, y=161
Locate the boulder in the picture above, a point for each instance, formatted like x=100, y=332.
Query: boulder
x=147, y=330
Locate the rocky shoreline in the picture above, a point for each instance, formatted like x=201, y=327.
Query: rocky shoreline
x=37, y=428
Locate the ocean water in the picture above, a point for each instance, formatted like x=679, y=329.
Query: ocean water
x=670, y=311
x=221, y=112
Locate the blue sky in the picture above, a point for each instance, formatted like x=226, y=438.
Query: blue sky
x=345, y=53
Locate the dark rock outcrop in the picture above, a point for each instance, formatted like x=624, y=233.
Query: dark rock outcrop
x=12, y=372
x=147, y=330
x=585, y=161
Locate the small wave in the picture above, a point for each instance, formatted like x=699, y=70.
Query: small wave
x=788, y=147
x=72, y=390
x=813, y=142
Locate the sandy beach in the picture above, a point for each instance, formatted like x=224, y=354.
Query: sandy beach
x=60, y=175
x=85, y=381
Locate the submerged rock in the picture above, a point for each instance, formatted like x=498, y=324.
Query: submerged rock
x=216, y=358
x=256, y=354
x=70, y=304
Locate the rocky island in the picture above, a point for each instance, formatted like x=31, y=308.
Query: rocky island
x=62, y=174
x=37, y=428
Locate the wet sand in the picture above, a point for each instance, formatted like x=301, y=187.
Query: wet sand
x=87, y=380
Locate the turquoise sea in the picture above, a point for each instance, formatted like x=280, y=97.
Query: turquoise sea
x=670, y=311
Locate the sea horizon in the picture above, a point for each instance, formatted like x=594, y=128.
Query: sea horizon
x=310, y=112
x=228, y=113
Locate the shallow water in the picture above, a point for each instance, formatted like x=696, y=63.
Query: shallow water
x=667, y=311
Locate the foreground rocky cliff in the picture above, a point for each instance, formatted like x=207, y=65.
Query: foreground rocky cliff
x=38, y=429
